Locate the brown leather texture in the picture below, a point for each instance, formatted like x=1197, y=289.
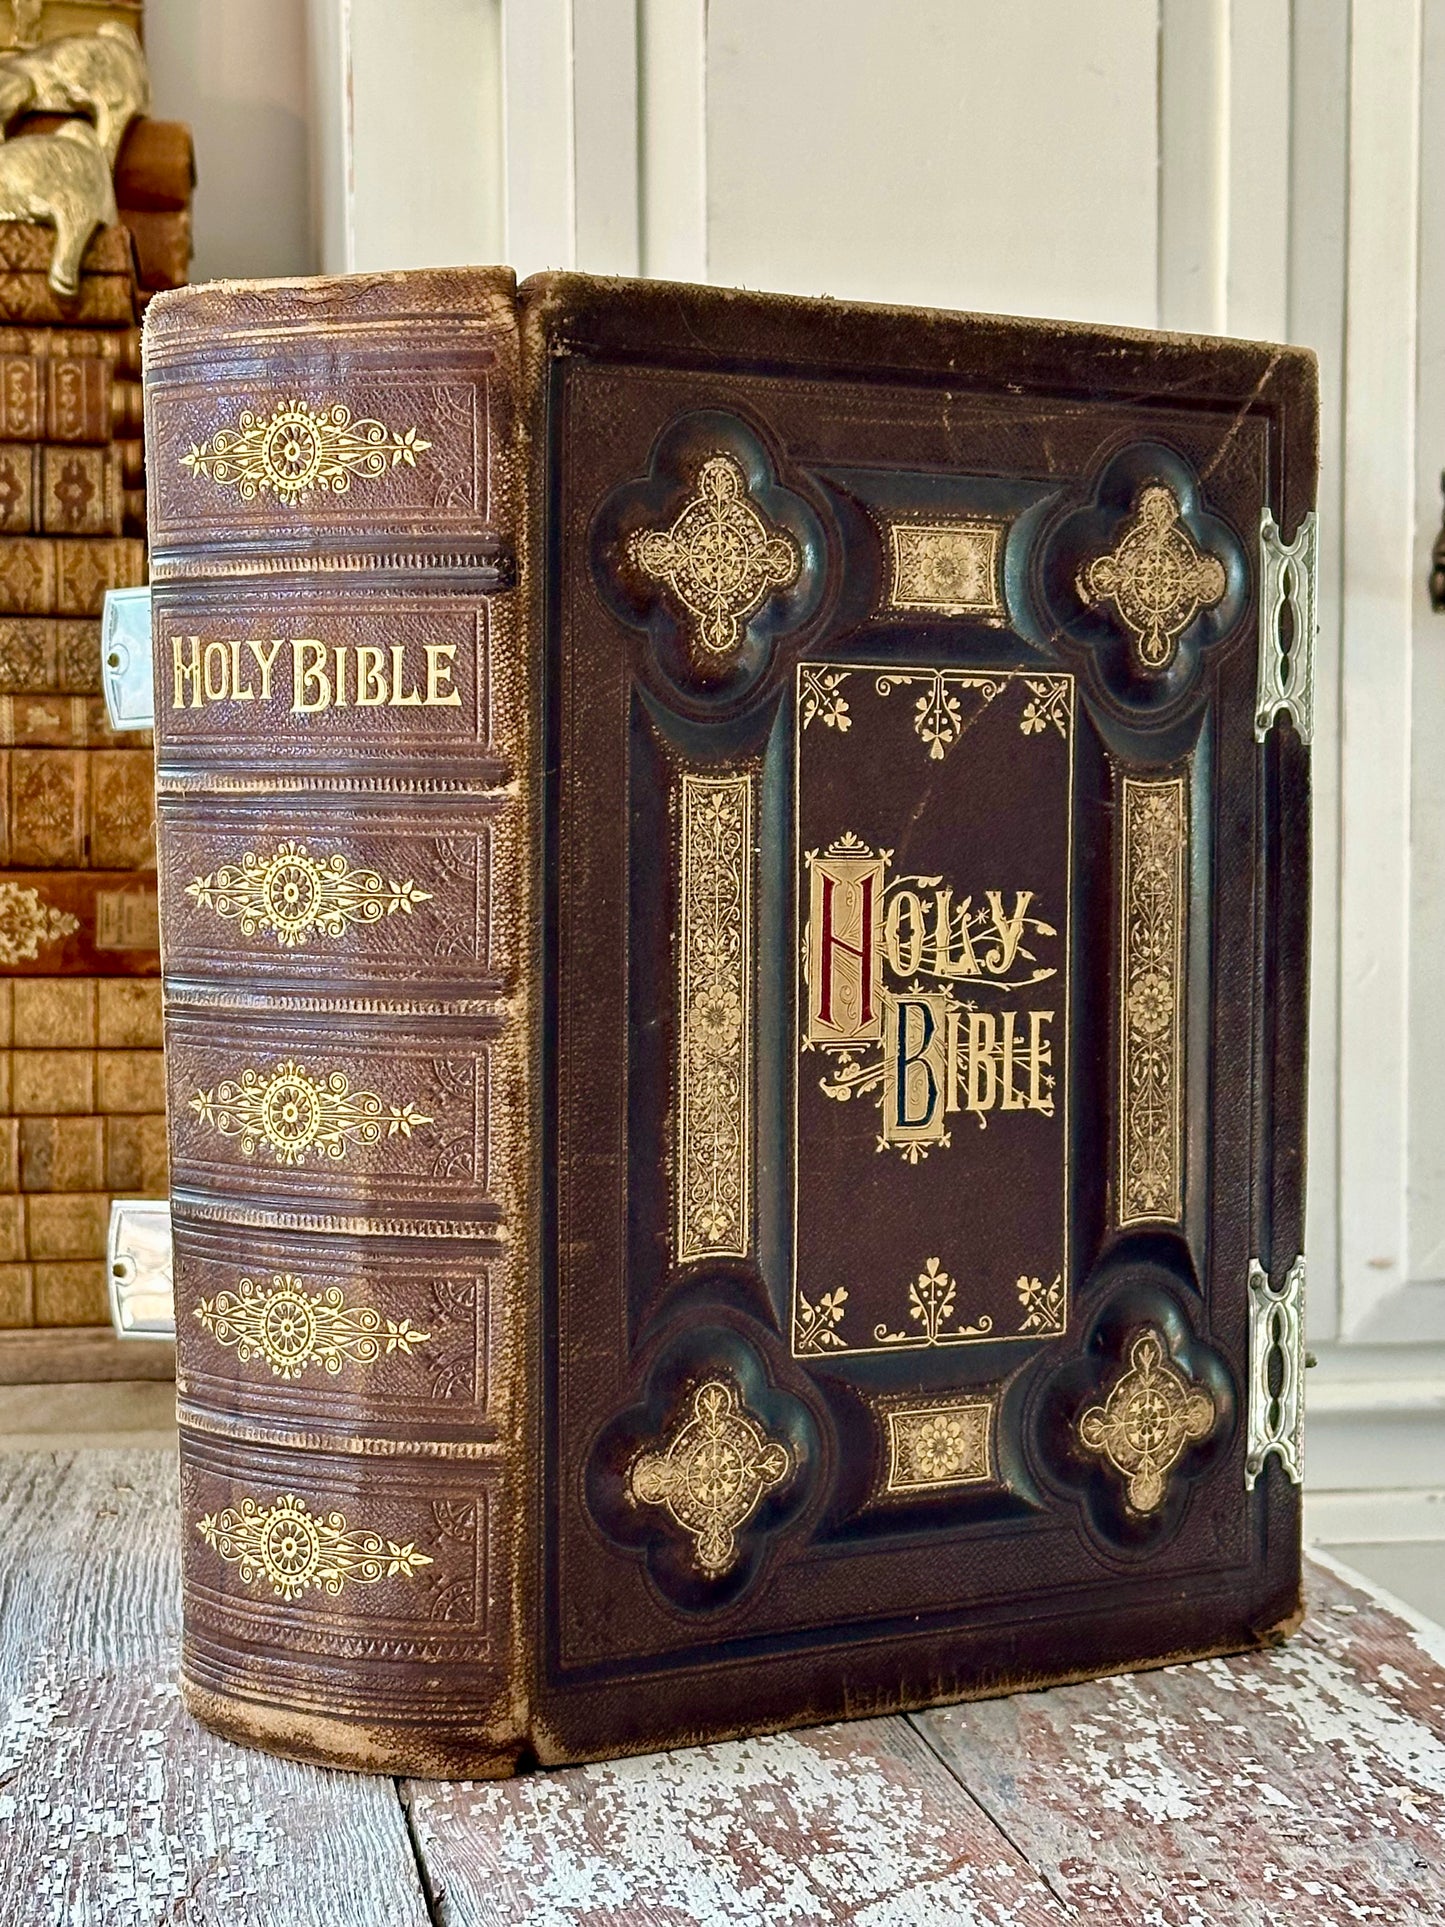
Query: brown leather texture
x=735, y=977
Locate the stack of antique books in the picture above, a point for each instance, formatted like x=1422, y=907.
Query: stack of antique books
x=81, y=1091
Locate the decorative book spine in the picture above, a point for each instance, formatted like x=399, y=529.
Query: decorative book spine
x=345, y=772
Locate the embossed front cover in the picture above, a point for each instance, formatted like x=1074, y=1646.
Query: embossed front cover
x=924, y=1003
x=734, y=880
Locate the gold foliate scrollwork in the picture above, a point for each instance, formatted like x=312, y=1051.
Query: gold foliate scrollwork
x=816, y=1326
x=1156, y=577
x=292, y=895
x=292, y=1328
x=1151, y=1068
x=294, y=1551
x=1043, y=1305
x=715, y=1000
x=939, y=715
x=931, y=1300
x=711, y=1474
x=297, y=448
x=947, y=568
x=720, y=559
x=295, y=1113
x=27, y=922
x=939, y=1442
x=1150, y=1414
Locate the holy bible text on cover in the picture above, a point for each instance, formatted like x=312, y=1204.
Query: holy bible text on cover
x=734, y=882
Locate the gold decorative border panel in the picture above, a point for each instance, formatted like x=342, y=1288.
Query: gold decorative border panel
x=948, y=568
x=715, y=1018
x=935, y=1444
x=1154, y=822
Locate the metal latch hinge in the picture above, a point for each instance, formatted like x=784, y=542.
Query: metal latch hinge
x=1276, y=1371
x=125, y=658
x=1288, y=579
x=138, y=1251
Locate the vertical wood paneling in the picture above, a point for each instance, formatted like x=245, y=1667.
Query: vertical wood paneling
x=1378, y=522
x=1427, y=882
x=672, y=138
x=604, y=135
x=328, y=27
x=1319, y=150
x=1257, y=258
x=1193, y=164
x=539, y=164
x=962, y=153
x=426, y=160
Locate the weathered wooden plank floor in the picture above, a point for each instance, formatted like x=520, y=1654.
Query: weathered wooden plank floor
x=1300, y=1787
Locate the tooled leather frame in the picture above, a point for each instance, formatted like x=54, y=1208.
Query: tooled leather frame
x=1082, y=1272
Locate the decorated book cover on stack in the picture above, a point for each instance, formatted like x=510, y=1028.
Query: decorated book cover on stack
x=734, y=882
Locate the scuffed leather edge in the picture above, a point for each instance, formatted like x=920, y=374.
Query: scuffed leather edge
x=355, y=1746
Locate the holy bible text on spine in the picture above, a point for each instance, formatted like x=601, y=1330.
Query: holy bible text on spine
x=733, y=887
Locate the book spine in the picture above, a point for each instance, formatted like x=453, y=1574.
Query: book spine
x=120, y=348
x=162, y=245
x=67, y=399
x=346, y=798
x=64, y=809
x=62, y=722
x=78, y=922
x=67, y=491
x=60, y=575
x=49, y=655
x=26, y=247
x=102, y=300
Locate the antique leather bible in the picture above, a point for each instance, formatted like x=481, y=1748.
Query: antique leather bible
x=734, y=879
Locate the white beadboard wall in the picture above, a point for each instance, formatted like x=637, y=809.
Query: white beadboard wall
x=1261, y=167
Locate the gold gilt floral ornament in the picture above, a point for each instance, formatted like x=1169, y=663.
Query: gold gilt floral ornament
x=952, y=699
x=27, y=922
x=293, y=895
x=939, y=1442
x=931, y=1300
x=294, y=1113
x=1151, y=1413
x=1151, y=1067
x=1042, y=1305
x=817, y=1325
x=292, y=1328
x=297, y=448
x=715, y=998
x=947, y=568
x=1157, y=579
x=294, y=1551
x=720, y=559
x=711, y=1474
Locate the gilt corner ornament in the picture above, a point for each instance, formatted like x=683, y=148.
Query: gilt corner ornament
x=711, y=1474
x=291, y=1328
x=1151, y=1413
x=1156, y=577
x=719, y=559
x=294, y=1113
x=297, y=448
x=292, y=895
x=294, y=1551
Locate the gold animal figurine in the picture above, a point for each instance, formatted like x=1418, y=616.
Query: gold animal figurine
x=102, y=73
x=62, y=178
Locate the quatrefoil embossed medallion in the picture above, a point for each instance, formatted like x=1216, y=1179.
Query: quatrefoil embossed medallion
x=711, y=1474
x=1149, y=1415
x=719, y=559
x=1156, y=578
